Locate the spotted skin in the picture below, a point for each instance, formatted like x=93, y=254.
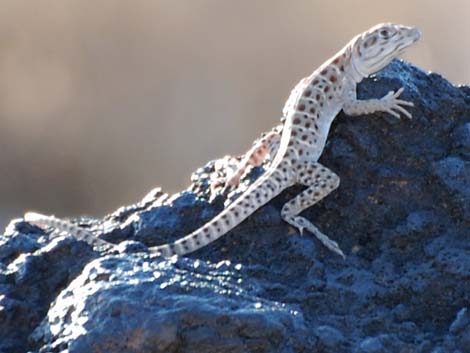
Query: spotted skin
x=295, y=146
x=264, y=147
x=63, y=226
x=320, y=181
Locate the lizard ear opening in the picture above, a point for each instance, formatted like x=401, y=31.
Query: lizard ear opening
x=370, y=42
x=358, y=50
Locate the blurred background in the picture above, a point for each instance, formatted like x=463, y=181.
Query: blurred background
x=102, y=101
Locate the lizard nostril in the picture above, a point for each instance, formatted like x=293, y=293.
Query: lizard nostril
x=415, y=33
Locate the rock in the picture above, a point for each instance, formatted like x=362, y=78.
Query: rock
x=156, y=306
x=418, y=220
x=461, y=139
x=372, y=345
x=401, y=215
x=32, y=280
x=460, y=329
x=400, y=312
x=329, y=336
x=454, y=172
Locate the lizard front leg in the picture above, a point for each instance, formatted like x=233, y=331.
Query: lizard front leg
x=320, y=181
x=389, y=103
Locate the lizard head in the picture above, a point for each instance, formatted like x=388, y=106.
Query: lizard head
x=376, y=48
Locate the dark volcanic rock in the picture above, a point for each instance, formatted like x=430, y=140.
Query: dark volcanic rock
x=401, y=214
x=162, y=306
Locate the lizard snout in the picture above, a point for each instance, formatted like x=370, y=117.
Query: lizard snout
x=414, y=33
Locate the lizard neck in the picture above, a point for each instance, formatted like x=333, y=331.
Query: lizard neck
x=352, y=69
x=354, y=72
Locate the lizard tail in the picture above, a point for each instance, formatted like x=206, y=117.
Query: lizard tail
x=259, y=193
x=43, y=221
x=268, y=186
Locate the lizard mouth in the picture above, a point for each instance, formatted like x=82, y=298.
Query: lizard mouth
x=415, y=33
x=412, y=37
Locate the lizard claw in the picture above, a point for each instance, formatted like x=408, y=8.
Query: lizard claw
x=394, y=106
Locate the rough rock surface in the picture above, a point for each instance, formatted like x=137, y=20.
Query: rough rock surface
x=401, y=214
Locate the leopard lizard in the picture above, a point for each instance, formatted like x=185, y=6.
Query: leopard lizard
x=296, y=145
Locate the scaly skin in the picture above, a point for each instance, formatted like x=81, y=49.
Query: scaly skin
x=296, y=145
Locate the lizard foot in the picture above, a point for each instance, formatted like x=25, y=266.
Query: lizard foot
x=394, y=106
x=231, y=182
x=224, y=177
x=302, y=223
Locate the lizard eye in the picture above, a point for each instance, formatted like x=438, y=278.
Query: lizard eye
x=384, y=33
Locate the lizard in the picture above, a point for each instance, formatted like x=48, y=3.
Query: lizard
x=295, y=145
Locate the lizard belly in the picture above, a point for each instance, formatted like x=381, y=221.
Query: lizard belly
x=312, y=140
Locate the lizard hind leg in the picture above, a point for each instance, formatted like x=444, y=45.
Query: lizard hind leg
x=267, y=145
x=320, y=181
